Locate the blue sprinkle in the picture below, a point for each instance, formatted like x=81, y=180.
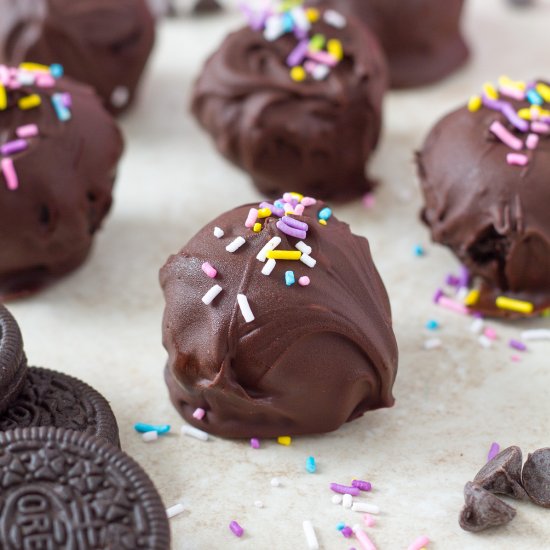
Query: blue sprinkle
x=142, y=428
x=289, y=278
x=432, y=324
x=534, y=98
x=325, y=213
x=340, y=526
x=56, y=70
x=311, y=467
x=288, y=22
x=419, y=251
x=63, y=114
x=278, y=204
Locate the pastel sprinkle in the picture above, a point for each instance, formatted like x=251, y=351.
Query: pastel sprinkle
x=218, y=233
x=536, y=334
x=13, y=147
x=255, y=443
x=308, y=201
x=474, y=103
x=235, y=245
x=27, y=131
x=244, y=306
x=532, y=141
x=363, y=538
x=161, y=429
x=543, y=91
x=325, y=214
x=209, y=270
x=284, y=255
x=303, y=247
x=472, y=297
x=419, y=543
x=174, y=510
x=516, y=159
x=369, y=520
x=347, y=531
x=61, y=110
x=340, y=526
x=311, y=466
x=269, y=267
x=199, y=413
x=56, y=70
x=150, y=436
x=194, y=432
x=304, y=281
x=432, y=343
x=257, y=227
x=335, y=49
x=298, y=73
x=284, y=440
x=3, y=97
x=450, y=304
x=362, y=485
x=516, y=344
x=510, y=304
x=493, y=451
x=490, y=91
x=533, y=97
x=334, y=19
x=540, y=127
x=273, y=243
x=236, y=529
x=344, y=489
x=289, y=278
x=308, y=260
x=10, y=175
x=505, y=136
x=211, y=294
x=251, y=218
x=264, y=213
x=490, y=333
x=323, y=222
x=311, y=537
x=29, y=102
x=418, y=250
x=365, y=507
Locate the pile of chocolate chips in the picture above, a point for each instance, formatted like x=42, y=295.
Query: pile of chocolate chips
x=503, y=475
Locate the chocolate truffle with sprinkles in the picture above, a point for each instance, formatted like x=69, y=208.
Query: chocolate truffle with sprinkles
x=59, y=151
x=276, y=323
x=295, y=100
x=103, y=43
x=484, y=171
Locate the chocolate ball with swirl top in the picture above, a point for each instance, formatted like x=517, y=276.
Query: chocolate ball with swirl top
x=59, y=150
x=295, y=100
x=103, y=43
x=276, y=323
x=484, y=171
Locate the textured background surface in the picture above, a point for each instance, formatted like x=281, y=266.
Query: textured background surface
x=103, y=325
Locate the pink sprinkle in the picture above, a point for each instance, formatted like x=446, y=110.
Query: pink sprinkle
x=199, y=413
x=209, y=270
x=514, y=93
x=287, y=207
x=516, y=358
x=30, y=130
x=506, y=136
x=369, y=200
x=369, y=520
x=309, y=66
x=448, y=303
x=364, y=539
x=308, y=201
x=516, y=344
x=532, y=141
x=252, y=217
x=299, y=209
x=540, y=127
x=304, y=281
x=515, y=159
x=45, y=80
x=255, y=443
x=8, y=169
x=493, y=451
x=491, y=333
x=419, y=543
x=323, y=57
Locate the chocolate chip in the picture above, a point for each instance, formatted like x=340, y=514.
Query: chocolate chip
x=536, y=477
x=483, y=510
x=502, y=474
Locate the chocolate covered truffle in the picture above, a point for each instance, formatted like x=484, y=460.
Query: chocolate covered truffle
x=295, y=100
x=59, y=151
x=421, y=38
x=276, y=323
x=103, y=43
x=484, y=170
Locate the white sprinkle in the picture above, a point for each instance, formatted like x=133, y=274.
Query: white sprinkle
x=258, y=504
x=334, y=19
x=461, y=294
x=477, y=326
x=484, y=341
x=320, y=72
x=300, y=18
x=365, y=507
x=311, y=537
x=150, y=436
x=275, y=482
x=347, y=501
x=242, y=300
x=271, y=245
x=120, y=96
x=273, y=28
x=174, y=510
x=194, y=432
x=269, y=266
x=536, y=334
x=25, y=79
x=303, y=247
x=218, y=232
x=235, y=245
x=211, y=294
x=336, y=499
x=308, y=260
x=432, y=343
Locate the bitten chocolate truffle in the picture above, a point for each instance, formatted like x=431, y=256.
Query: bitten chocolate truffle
x=276, y=323
x=295, y=100
x=421, y=38
x=484, y=170
x=59, y=151
x=103, y=43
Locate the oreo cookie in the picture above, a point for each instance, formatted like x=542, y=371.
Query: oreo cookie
x=50, y=398
x=13, y=363
x=67, y=490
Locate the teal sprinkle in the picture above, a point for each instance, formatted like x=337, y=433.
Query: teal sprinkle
x=325, y=214
x=289, y=278
x=534, y=97
x=311, y=467
x=432, y=324
x=142, y=428
x=419, y=251
x=340, y=526
x=56, y=70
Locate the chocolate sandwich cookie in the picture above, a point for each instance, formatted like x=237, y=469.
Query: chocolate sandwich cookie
x=66, y=490
x=13, y=363
x=50, y=398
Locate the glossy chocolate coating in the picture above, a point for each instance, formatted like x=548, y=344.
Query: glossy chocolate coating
x=103, y=43
x=65, y=178
x=313, y=136
x=492, y=215
x=314, y=357
x=421, y=38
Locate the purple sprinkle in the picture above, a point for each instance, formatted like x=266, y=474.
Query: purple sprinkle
x=274, y=209
x=347, y=531
x=493, y=451
x=255, y=443
x=509, y=112
x=297, y=224
x=236, y=529
x=297, y=55
x=438, y=294
x=344, y=489
x=15, y=146
x=463, y=277
x=290, y=231
x=516, y=344
x=495, y=104
x=452, y=280
x=66, y=100
x=363, y=485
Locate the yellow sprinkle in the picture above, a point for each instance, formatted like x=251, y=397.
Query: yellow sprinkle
x=335, y=48
x=474, y=104
x=257, y=227
x=525, y=114
x=29, y=102
x=544, y=91
x=297, y=196
x=323, y=222
x=3, y=98
x=490, y=91
x=507, y=82
x=298, y=73
x=472, y=298
x=545, y=313
x=34, y=67
x=284, y=255
x=285, y=440
x=514, y=305
x=312, y=15
x=264, y=213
